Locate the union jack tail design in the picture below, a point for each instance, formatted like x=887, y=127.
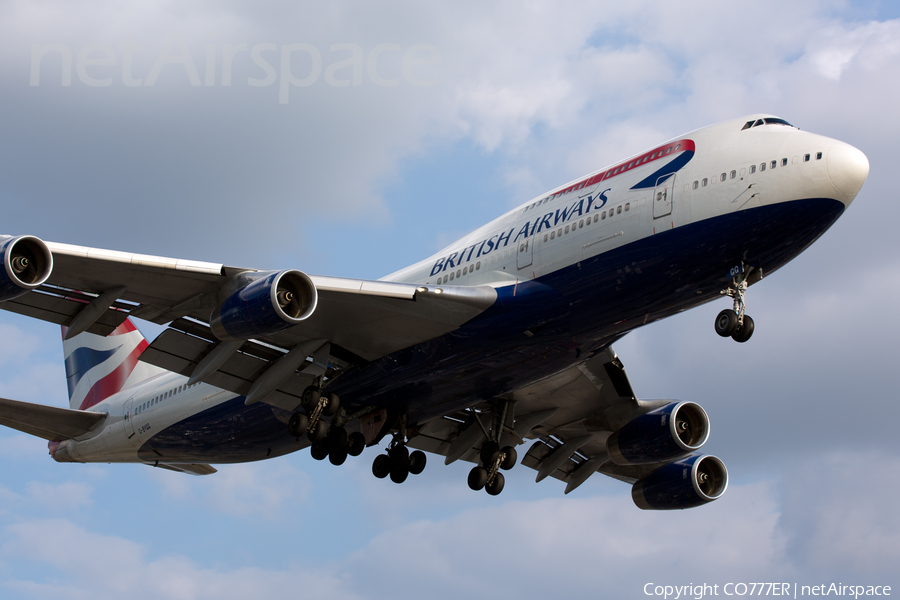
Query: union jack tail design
x=98, y=367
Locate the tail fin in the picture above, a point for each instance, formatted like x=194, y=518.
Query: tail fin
x=98, y=367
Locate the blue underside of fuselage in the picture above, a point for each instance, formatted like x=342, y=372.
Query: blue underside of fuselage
x=569, y=314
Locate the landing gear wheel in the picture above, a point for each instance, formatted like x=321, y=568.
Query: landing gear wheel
x=417, y=462
x=477, y=478
x=318, y=432
x=319, y=450
x=298, y=424
x=399, y=456
x=337, y=456
x=332, y=404
x=490, y=452
x=337, y=438
x=510, y=460
x=310, y=398
x=356, y=443
x=743, y=333
x=381, y=467
x=496, y=485
x=399, y=473
x=726, y=322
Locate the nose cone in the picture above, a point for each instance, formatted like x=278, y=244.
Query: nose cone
x=847, y=169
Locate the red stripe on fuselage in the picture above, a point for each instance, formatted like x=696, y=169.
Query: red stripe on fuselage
x=664, y=151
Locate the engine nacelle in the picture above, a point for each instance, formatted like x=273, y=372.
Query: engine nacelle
x=686, y=483
x=660, y=435
x=270, y=303
x=27, y=263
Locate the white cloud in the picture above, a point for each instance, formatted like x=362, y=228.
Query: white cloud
x=267, y=488
x=61, y=497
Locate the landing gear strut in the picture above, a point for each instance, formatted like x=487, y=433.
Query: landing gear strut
x=487, y=475
x=734, y=323
x=398, y=461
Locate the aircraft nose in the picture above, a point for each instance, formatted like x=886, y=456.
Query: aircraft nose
x=847, y=169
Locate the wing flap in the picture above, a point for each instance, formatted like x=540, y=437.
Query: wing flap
x=570, y=415
x=180, y=349
x=48, y=422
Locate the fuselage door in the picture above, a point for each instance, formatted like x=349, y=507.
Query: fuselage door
x=526, y=251
x=662, y=197
x=129, y=418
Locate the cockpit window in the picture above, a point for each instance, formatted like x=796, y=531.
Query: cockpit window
x=766, y=121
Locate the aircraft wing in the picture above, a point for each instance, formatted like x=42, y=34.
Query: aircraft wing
x=354, y=320
x=569, y=416
x=48, y=422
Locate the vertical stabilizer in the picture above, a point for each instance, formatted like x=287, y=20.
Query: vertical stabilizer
x=97, y=367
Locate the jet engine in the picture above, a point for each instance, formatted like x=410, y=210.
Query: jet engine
x=268, y=304
x=660, y=435
x=27, y=263
x=682, y=484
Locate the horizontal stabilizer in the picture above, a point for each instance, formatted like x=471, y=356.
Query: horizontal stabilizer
x=48, y=422
x=191, y=469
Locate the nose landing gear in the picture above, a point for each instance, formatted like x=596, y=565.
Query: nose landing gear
x=734, y=323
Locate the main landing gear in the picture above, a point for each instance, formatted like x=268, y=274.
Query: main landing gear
x=734, y=323
x=487, y=475
x=398, y=461
x=333, y=442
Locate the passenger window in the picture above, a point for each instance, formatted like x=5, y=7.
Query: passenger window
x=619, y=209
x=818, y=156
x=783, y=162
x=695, y=185
x=545, y=237
x=466, y=270
x=458, y=273
x=627, y=206
x=580, y=224
x=559, y=232
x=752, y=169
x=451, y=276
x=762, y=166
x=603, y=215
x=806, y=158
x=678, y=147
x=445, y=279
x=595, y=218
x=773, y=164
x=567, y=229
x=704, y=182
x=733, y=174
x=722, y=177
x=552, y=235
x=668, y=150
x=478, y=266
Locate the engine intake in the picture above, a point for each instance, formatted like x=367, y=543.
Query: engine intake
x=267, y=305
x=660, y=435
x=686, y=483
x=27, y=263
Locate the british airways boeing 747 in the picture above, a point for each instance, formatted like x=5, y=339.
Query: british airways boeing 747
x=501, y=339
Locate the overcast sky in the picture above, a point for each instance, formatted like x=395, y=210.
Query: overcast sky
x=379, y=133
